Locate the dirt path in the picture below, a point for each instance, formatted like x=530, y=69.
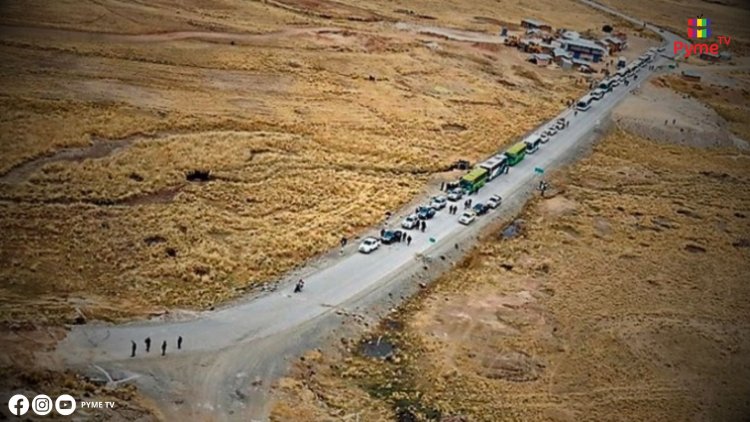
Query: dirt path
x=208, y=36
x=452, y=34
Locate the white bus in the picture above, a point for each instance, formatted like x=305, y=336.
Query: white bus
x=533, y=145
x=606, y=85
x=495, y=166
x=584, y=103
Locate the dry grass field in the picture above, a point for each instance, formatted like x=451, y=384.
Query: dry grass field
x=313, y=118
x=625, y=297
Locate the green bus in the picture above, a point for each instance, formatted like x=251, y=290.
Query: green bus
x=516, y=153
x=474, y=179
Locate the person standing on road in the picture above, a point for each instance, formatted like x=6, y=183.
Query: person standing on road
x=468, y=203
x=424, y=226
x=408, y=240
x=132, y=348
x=148, y=344
x=164, y=348
x=179, y=342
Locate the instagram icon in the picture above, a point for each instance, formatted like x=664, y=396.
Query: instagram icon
x=41, y=405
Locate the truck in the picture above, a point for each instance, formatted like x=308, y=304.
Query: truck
x=516, y=153
x=473, y=180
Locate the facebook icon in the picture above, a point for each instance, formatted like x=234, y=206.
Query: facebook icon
x=18, y=405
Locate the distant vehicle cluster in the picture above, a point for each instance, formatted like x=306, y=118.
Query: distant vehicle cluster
x=622, y=76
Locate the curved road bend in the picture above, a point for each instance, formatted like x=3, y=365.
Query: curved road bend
x=281, y=314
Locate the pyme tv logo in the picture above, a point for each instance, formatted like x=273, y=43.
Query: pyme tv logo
x=699, y=28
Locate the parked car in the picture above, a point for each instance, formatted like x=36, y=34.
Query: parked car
x=551, y=132
x=560, y=125
x=391, y=236
x=455, y=195
x=369, y=244
x=543, y=138
x=480, y=209
x=494, y=201
x=438, y=202
x=410, y=222
x=467, y=218
x=425, y=213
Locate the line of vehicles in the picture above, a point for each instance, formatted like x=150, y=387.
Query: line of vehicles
x=620, y=77
x=500, y=164
x=470, y=183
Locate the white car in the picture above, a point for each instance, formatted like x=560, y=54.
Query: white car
x=494, y=201
x=410, y=222
x=369, y=244
x=551, y=131
x=438, y=202
x=543, y=138
x=455, y=195
x=467, y=218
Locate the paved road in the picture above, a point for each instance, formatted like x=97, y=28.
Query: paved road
x=280, y=314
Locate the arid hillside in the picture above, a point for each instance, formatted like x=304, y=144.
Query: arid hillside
x=175, y=154
x=623, y=296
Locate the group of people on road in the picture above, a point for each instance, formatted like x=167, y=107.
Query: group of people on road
x=147, y=341
x=453, y=209
x=467, y=203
